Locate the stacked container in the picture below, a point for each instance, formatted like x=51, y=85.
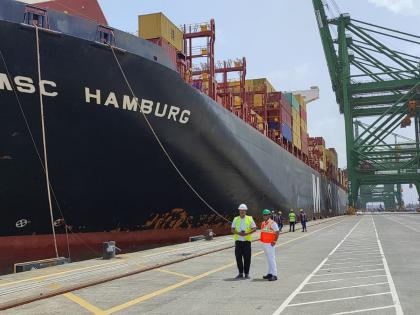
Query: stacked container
x=296, y=122
x=332, y=164
x=259, y=87
x=279, y=115
x=317, y=156
x=157, y=28
x=303, y=124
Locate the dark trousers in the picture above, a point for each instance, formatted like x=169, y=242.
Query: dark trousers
x=303, y=226
x=291, y=226
x=280, y=226
x=243, y=256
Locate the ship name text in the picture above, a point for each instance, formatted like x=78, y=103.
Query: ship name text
x=27, y=85
x=145, y=106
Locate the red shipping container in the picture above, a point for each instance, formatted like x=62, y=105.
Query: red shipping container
x=274, y=97
x=285, y=104
x=316, y=141
x=304, y=137
x=88, y=9
x=167, y=47
x=303, y=114
x=286, y=118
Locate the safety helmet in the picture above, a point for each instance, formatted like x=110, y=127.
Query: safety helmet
x=301, y=210
x=291, y=210
x=266, y=212
x=242, y=206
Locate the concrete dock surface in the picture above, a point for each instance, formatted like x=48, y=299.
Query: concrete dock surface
x=368, y=264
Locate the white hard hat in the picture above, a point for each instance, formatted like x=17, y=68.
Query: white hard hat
x=242, y=206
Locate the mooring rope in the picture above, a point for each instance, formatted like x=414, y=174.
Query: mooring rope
x=44, y=142
x=166, y=153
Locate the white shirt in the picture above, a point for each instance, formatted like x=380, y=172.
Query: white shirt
x=275, y=226
x=242, y=227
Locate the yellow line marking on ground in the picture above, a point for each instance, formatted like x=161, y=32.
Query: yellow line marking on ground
x=53, y=286
x=174, y=273
x=156, y=293
x=83, y=303
x=56, y=274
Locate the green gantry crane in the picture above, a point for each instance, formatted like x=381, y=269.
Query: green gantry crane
x=375, y=78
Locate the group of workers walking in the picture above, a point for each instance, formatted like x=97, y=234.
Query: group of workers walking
x=242, y=228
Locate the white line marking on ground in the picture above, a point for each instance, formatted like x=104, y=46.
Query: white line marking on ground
x=306, y=280
x=357, y=251
x=407, y=226
x=351, y=262
x=342, y=288
x=344, y=279
x=395, y=298
x=341, y=273
x=339, y=299
x=365, y=310
x=358, y=266
x=363, y=254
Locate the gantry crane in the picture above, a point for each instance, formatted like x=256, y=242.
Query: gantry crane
x=372, y=79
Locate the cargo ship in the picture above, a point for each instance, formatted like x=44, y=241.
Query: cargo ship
x=106, y=135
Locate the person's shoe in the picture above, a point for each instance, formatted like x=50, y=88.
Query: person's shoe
x=240, y=276
x=273, y=278
x=268, y=276
x=247, y=276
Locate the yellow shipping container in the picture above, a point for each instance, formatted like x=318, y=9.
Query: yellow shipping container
x=297, y=141
x=236, y=86
x=203, y=27
x=301, y=101
x=295, y=121
x=258, y=84
x=157, y=25
x=303, y=125
x=237, y=101
x=258, y=100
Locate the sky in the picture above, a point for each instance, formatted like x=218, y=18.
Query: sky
x=281, y=42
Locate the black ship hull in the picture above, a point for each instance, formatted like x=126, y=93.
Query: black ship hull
x=110, y=177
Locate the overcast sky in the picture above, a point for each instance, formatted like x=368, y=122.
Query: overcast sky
x=280, y=40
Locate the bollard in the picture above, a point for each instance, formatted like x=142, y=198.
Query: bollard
x=209, y=235
x=109, y=250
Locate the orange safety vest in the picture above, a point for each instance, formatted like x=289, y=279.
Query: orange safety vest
x=268, y=235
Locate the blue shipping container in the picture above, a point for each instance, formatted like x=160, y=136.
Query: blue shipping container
x=286, y=132
x=274, y=125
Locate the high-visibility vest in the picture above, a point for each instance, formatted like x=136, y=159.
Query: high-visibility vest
x=248, y=221
x=292, y=217
x=268, y=235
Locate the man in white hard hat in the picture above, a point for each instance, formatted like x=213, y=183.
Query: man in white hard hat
x=242, y=228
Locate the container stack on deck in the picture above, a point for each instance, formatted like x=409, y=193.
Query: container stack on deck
x=280, y=116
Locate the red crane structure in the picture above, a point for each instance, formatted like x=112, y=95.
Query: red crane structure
x=203, y=77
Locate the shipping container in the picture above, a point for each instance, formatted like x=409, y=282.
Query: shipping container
x=317, y=141
x=293, y=101
x=258, y=100
x=296, y=121
x=259, y=85
x=303, y=114
x=87, y=9
x=286, y=131
x=157, y=25
x=167, y=47
x=301, y=101
x=286, y=117
x=297, y=141
x=303, y=125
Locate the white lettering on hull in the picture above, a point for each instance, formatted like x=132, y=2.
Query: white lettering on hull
x=26, y=85
x=47, y=88
x=145, y=106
